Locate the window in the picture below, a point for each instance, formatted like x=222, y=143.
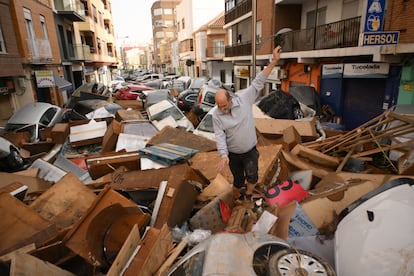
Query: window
x=101, y=19
x=182, y=22
x=30, y=31
x=94, y=13
x=169, y=34
x=2, y=44
x=168, y=11
x=218, y=47
x=310, y=18
x=44, y=29
x=98, y=44
x=157, y=12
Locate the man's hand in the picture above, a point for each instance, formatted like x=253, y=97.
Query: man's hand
x=223, y=162
x=276, y=54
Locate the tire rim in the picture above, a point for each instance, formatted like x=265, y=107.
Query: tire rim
x=300, y=265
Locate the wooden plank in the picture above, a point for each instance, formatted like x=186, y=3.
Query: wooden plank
x=25, y=249
x=181, y=137
x=36, y=185
x=65, y=202
x=130, y=245
x=297, y=162
x=153, y=252
x=306, y=129
x=25, y=264
x=315, y=156
x=21, y=225
x=162, y=271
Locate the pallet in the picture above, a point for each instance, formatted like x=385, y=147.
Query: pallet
x=167, y=154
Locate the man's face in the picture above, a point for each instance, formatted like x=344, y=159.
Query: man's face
x=224, y=105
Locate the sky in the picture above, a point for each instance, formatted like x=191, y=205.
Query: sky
x=132, y=18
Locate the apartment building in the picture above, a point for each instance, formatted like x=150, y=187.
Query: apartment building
x=97, y=33
x=357, y=54
x=190, y=16
x=37, y=44
x=12, y=77
x=164, y=34
x=209, y=41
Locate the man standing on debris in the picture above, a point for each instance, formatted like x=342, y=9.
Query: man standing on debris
x=236, y=133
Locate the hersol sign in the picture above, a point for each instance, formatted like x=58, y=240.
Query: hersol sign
x=380, y=38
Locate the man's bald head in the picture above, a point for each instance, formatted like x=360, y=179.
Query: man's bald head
x=223, y=100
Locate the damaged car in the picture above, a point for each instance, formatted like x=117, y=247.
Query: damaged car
x=10, y=158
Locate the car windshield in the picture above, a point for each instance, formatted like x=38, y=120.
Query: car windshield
x=171, y=111
x=31, y=129
x=206, y=124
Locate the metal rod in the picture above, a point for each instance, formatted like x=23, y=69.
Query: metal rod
x=254, y=16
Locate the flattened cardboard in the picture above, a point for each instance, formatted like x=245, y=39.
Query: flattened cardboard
x=25, y=264
x=306, y=129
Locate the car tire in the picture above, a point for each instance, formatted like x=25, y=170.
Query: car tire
x=15, y=159
x=293, y=261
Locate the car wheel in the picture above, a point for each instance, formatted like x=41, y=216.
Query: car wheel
x=15, y=159
x=298, y=262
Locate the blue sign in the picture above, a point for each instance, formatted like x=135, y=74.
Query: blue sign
x=380, y=38
x=374, y=16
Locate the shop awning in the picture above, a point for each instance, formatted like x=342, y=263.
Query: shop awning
x=62, y=83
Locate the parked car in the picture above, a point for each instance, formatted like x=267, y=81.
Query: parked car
x=33, y=117
x=205, y=127
x=150, y=97
x=206, y=100
x=248, y=254
x=165, y=108
x=187, y=99
x=182, y=83
x=10, y=158
x=131, y=91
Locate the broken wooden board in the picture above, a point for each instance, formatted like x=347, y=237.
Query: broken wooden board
x=87, y=236
x=315, y=156
x=36, y=185
x=65, y=202
x=181, y=137
x=86, y=134
x=132, y=104
x=206, y=163
x=297, y=162
x=291, y=138
x=167, y=154
x=151, y=179
x=25, y=264
x=179, y=198
x=20, y=225
x=155, y=246
x=101, y=164
x=130, y=245
x=306, y=129
x=25, y=249
x=111, y=136
x=129, y=114
x=175, y=253
x=337, y=191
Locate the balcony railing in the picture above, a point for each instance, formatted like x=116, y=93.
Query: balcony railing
x=238, y=11
x=240, y=49
x=79, y=52
x=340, y=34
x=215, y=52
x=39, y=50
x=74, y=10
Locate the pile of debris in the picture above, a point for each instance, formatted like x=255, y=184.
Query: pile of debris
x=113, y=211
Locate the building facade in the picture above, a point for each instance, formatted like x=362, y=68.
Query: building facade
x=352, y=52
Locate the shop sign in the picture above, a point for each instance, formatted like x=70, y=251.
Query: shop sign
x=330, y=71
x=380, y=38
x=374, y=16
x=44, y=79
x=241, y=71
x=366, y=70
x=6, y=86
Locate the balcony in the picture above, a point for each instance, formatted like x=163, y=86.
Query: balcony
x=79, y=52
x=39, y=51
x=238, y=11
x=72, y=10
x=215, y=53
x=240, y=49
x=340, y=34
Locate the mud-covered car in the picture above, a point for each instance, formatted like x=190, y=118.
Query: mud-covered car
x=10, y=158
x=33, y=117
x=253, y=253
